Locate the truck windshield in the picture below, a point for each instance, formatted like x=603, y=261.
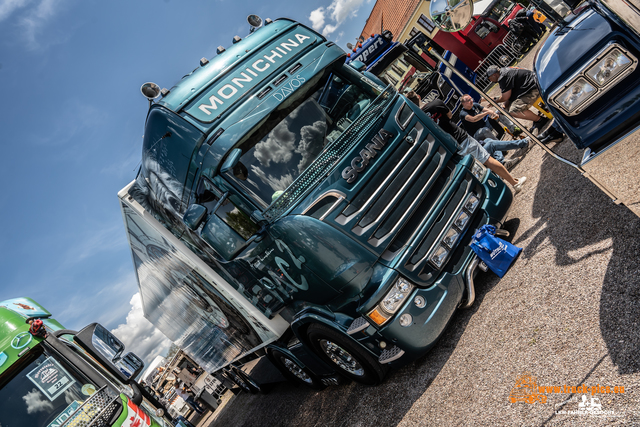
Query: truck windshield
x=292, y=136
x=44, y=393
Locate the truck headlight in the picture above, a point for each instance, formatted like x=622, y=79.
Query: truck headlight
x=391, y=302
x=439, y=256
x=576, y=94
x=609, y=67
x=593, y=80
x=459, y=222
x=478, y=170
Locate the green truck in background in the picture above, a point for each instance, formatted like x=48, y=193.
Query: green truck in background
x=61, y=378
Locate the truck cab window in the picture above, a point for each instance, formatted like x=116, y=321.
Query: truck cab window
x=45, y=391
x=293, y=135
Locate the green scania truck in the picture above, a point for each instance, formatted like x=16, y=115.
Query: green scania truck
x=63, y=378
x=292, y=206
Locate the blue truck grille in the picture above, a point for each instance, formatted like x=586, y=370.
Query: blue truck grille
x=322, y=166
x=390, y=210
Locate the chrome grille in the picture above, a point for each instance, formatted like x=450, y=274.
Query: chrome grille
x=319, y=169
x=410, y=181
x=501, y=56
x=418, y=258
x=96, y=411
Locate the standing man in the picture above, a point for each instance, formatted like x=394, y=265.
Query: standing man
x=519, y=92
x=467, y=145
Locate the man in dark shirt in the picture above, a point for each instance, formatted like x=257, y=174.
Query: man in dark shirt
x=466, y=144
x=519, y=92
x=473, y=117
x=478, y=120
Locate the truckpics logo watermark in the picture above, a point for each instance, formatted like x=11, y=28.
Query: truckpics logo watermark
x=527, y=390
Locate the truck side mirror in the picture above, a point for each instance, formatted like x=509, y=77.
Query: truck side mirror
x=103, y=346
x=194, y=216
x=231, y=161
x=357, y=65
x=451, y=15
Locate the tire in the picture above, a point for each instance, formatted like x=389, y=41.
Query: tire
x=240, y=382
x=253, y=385
x=345, y=355
x=293, y=371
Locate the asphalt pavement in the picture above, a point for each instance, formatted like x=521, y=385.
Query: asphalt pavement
x=565, y=315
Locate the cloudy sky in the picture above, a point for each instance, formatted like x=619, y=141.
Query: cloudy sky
x=71, y=123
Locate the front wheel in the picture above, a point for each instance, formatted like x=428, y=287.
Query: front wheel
x=346, y=355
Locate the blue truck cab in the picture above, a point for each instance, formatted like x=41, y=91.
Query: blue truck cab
x=588, y=75
x=288, y=203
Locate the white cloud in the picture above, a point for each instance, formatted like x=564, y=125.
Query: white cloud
x=339, y=11
x=317, y=19
x=7, y=7
x=311, y=143
x=276, y=184
x=139, y=335
x=36, y=19
x=278, y=147
x=36, y=403
x=32, y=16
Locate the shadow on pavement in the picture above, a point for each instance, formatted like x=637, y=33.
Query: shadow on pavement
x=580, y=221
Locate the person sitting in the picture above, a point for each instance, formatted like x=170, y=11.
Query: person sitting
x=519, y=92
x=467, y=144
x=480, y=122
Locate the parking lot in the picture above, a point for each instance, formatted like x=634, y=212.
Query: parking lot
x=566, y=314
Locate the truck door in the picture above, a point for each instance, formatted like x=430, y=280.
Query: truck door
x=271, y=274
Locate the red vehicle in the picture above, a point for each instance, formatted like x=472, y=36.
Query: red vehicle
x=487, y=40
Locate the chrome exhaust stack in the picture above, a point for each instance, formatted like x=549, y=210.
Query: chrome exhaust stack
x=471, y=272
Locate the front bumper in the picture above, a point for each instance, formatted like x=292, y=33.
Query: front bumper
x=402, y=344
x=396, y=345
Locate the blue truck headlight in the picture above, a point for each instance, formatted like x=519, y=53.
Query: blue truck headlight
x=451, y=237
x=472, y=203
x=478, y=170
x=609, y=67
x=576, y=94
x=604, y=71
x=462, y=220
x=391, y=302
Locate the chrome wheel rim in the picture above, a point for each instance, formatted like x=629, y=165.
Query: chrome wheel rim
x=341, y=357
x=296, y=370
